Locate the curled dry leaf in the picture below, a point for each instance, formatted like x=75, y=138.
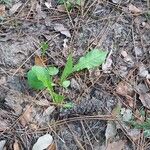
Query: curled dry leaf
x=134, y=9
x=15, y=8
x=60, y=28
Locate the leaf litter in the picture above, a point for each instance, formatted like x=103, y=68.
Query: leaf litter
x=81, y=35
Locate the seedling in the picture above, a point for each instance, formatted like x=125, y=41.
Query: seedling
x=144, y=125
x=44, y=47
x=42, y=77
x=69, y=4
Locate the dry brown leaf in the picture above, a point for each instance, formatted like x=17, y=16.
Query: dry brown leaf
x=126, y=90
x=2, y=10
x=40, y=61
x=119, y=145
x=26, y=117
x=16, y=145
x=134, y=9
x=15, y=8
x=145, y=99
x=60, y=28
x=52, y=147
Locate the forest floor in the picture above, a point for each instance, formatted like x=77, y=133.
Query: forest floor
x=110, y=103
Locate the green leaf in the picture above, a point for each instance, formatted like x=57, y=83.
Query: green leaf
x=67, y=70
x=34, y=82
x=42, y=75
x=66, y=83
x=57, y=98
x=147, y=133
x=68, y=105
x=80, y=2
x=44, y=47
x=53, y=70
x=92, y=59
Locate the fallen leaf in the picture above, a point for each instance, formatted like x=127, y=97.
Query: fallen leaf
x=135, y=134
x=43, y=142
x=40, y=61
x=2, y=10
x=106, y=67
x=48, y=5
x=60, y=28
x=119, y=145
x=16, y=145
x=48, y=111
x=26, y=117
x=143, y=72
x=145, y=99
x=65, y=46
x=2, y=144
x=124, y=54
x=15, y=8
x=110, y=131
x=126, y=90
x=52, y=147
x=116, y=1
x=134, y=9
x=126, y=114
x=40, y=14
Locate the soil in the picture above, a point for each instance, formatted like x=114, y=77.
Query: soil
x=113, y=26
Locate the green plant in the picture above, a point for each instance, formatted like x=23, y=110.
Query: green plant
x=44, y=47
x=42, y=77
x=70, y=3
x=7, y=2
x=145, y=126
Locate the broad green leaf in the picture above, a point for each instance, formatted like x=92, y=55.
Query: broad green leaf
x=67, y=70
x=42, y=75
x=52, y=70
x=66, y=83
x=57, y=98
x=34, y=82
x=92, y=59
x=68, y=105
